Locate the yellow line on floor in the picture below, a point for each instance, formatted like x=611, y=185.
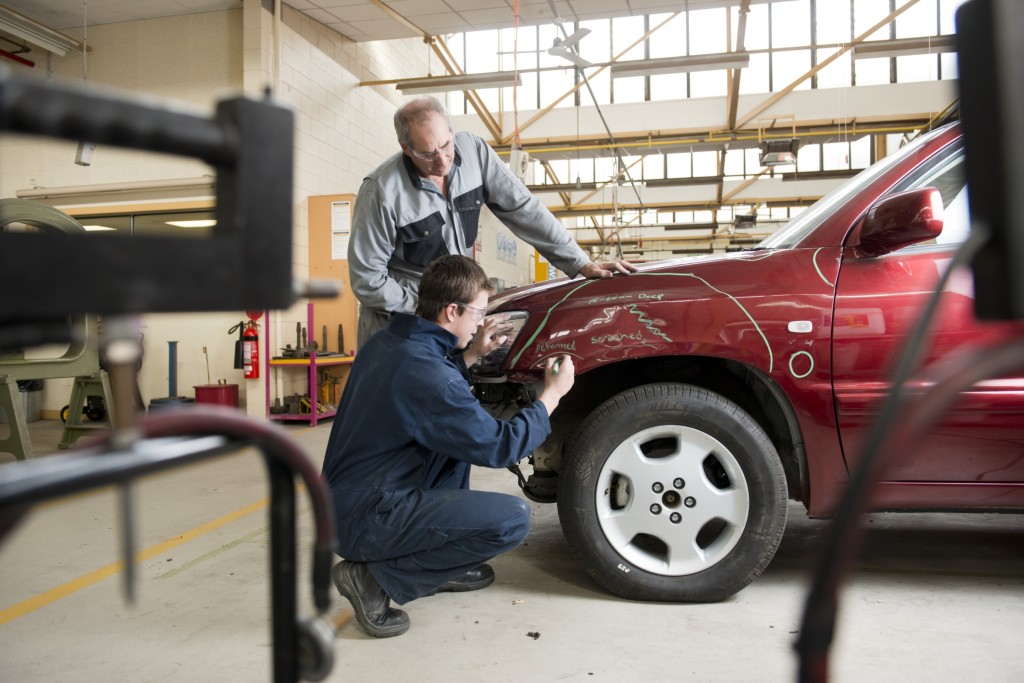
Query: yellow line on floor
x=25, y=607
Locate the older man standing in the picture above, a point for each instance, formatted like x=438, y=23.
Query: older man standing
x=425, y=202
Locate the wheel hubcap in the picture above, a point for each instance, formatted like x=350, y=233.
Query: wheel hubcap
x=672, y=500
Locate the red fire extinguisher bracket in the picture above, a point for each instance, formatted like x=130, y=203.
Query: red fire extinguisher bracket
x=251, y=351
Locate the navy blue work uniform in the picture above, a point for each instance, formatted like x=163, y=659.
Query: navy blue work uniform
x=398, y=460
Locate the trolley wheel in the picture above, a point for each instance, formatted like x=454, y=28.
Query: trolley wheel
x=95, y=408
x=64, y=412
x=316, y=649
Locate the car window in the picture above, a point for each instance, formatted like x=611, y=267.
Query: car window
x=806, y=222
x=944, y=172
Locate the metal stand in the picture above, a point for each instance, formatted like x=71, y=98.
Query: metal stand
x=301, y=649
x=96, y=384
x=17, y=441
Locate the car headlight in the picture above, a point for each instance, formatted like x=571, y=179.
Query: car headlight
x=510, y=325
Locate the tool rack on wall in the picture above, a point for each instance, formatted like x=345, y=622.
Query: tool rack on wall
x=313, y=364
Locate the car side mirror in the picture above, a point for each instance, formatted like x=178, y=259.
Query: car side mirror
x=900, y=220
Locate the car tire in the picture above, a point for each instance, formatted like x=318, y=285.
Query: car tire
x=670, y=492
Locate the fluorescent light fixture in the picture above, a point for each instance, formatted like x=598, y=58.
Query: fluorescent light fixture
x=33, y=32
x=671, y=65
x=781, y=152
x=744, y=221
x=495, y=79
x=97, y=228
x=903, y=47
x=207, y=223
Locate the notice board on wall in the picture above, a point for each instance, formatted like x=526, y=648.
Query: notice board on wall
x=330, y=222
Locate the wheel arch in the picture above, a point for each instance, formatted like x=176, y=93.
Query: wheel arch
x=748, y=387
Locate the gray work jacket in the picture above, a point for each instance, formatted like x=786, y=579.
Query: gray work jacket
x=401, y=222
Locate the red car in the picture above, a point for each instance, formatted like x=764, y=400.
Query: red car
x=711, y=390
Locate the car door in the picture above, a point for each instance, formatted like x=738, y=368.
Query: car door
x=980, y=441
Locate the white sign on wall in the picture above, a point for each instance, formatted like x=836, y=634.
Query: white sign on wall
x=508, y=247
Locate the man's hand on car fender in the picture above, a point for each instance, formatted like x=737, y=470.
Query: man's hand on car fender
x=595, y=270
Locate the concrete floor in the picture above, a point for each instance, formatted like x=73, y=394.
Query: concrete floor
x=936, y=597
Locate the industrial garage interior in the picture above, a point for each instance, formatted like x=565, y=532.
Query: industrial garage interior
x=654, y=131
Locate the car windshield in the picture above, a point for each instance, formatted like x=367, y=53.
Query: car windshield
x=802, y=225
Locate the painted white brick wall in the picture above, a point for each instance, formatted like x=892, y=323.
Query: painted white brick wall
x=342, y=131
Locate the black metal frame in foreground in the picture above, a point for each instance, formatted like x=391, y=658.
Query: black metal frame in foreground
x=211, y=432
x=245, y=264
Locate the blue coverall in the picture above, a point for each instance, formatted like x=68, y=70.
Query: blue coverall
x=398, y=460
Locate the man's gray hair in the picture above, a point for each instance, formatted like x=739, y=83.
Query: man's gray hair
x=414, y=111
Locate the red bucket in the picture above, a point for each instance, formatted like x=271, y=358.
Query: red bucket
x=222, y=394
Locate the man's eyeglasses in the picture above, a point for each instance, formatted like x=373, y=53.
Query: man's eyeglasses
x=478, y=312
x=445, y=149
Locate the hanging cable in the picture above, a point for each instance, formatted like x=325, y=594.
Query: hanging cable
x=577, y=141
x=515, y=74
x=85, y=43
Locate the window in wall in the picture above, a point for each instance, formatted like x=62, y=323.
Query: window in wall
x=559, y=75
x=860, y=153
x=808, y=158
x=666, y=86
x=184, y=224
x=709, y=83
x=920, y=19
x=871, y=71
x=605, y=169
x=783, y=213
x=758, y=33
x=707, y=31
x=831, y=22
x=584, y=170
x=668, y=41
x=948, y=67
x=595, y=48
x=107, y=225
x=513, y=55
x=837, y=74
x=734, y=163
x=752, y=159
x=779, y=34
x=893, y=141
x=947, y=15
x=791, y=23
x=867, y=13
x=917, y=68
x=627, y=31
x=705, y=164
x=756, y=77
x=788, y=66
x=653, y=167
x=835, y=156
x=678, y=165
x=626, y=90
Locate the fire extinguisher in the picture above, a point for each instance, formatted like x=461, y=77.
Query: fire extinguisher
x=251, y=351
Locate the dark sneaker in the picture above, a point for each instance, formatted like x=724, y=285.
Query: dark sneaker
x=473, y=580
x=371, y=604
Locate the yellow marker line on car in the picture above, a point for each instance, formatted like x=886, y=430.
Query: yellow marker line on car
x=25, y=607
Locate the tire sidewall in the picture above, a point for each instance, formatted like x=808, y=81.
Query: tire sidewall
x=671, y=404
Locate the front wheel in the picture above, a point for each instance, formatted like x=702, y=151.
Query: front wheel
x=671, y=492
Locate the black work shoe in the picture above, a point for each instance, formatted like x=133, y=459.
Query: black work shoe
x=473, y=580
x=371, y=604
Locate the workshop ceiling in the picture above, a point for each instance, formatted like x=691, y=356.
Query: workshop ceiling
x=561, y=141
x=362, y=20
